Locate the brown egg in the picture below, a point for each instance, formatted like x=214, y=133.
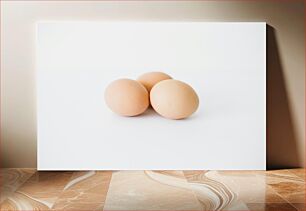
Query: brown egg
x=152, y=78
x=127, y=97
x=174, y=99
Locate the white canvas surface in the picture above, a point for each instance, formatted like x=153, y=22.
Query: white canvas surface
x=224, y=62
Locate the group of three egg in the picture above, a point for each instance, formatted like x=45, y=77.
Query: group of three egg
x=172, y=99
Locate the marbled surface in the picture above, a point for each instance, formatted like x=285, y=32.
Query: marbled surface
x=28, y=189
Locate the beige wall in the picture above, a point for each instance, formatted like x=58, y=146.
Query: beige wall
x=286, y=77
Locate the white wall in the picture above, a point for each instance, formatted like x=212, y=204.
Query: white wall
x=286, y=122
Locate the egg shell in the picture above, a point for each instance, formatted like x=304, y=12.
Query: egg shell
x=174, y=99
x=151, y=78
x=127, y=97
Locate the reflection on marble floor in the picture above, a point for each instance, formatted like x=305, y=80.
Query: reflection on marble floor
x=27, y=189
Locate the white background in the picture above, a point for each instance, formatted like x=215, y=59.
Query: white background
x=224, y=62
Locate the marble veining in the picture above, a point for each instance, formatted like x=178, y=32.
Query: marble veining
x=212, y=194
x=148, y=190
x=28, y=189
x=77, y=177
x=12, y=179
x=287, y=184
x=86, y=190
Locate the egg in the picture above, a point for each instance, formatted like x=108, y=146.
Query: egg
x=127, y=97
x=174, y=99
x=151, y=78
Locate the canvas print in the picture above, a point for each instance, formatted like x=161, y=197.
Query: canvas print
x=151, y=95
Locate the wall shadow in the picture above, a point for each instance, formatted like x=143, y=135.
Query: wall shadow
x=281, y=141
